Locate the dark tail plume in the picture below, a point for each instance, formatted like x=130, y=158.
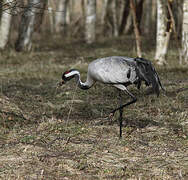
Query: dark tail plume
x=148, y=74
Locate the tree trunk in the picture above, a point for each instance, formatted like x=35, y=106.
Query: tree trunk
x=72, y=10
x=107, y=17
x=104, y=12
x=138, y=6
x=154, y=11
x=139, y=10
x=184, y=50
x=61, y=16
x=162, y=37
x=5, y=26
x=51, y=16
x=124, y=17
x=136, y=30
x=68, y=15
x=179, y=16
x=115, y=20
x=129, y=24
x=83, y=6
x=148, y=16
x=40, y=16
x=26, y=28
x=120, y=8
x=90, y=21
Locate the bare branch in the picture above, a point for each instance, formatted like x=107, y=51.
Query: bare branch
x=18, y=8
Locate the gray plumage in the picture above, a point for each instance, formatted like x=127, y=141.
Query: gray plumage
x=120, y=72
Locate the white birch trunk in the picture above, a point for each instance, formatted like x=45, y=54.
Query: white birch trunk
x=26, y=29
x=90, y=21
x=115, y=20
x=83, y=7
x=104, y=12
x=184, y=50
x=61, y=16
x=72, y=10
x=68, y=13
x=129, y=24
x=5, y=23
x=120, y=8
x=50, y=15
x=162, y=37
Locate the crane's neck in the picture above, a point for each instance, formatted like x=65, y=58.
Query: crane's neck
x=82, y=85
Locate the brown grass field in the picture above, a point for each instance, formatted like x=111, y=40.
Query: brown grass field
x=50, y=132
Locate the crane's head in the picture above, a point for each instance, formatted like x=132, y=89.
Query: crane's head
x=68, y=75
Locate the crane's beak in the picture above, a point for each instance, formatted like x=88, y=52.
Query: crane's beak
x=61, y=83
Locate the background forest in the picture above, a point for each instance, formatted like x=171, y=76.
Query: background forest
x=52, y=132
x=93, y=20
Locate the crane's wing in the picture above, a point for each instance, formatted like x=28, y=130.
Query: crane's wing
x=147, y=73
x=113, y=70
x=125, y=71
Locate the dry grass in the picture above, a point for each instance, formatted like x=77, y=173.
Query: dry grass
x=41, y=139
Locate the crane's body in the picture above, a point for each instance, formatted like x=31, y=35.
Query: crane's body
x=120, y=72
x=113, y=70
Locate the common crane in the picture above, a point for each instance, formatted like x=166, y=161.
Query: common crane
x=120, y=72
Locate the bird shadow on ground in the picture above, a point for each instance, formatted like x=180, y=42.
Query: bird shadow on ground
x=168, y=93
x=141, y=123
x=129, y=122
x=175, y=92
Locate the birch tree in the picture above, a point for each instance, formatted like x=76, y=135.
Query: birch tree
x=124, y=17
x=115, y=19
x=184, y=50
x=136, y=29
x=72, y=10
x=51, y=16
x=162, y=37
x=107, y=16
x=179, y=16
x=129, y=24
x=104, y=12
x=90, y=21
x=27, y=26
x=148, y=14
x=83, y=7
x=5, y=23
x=61, y=15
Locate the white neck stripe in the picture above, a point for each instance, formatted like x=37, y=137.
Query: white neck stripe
x=71, y=73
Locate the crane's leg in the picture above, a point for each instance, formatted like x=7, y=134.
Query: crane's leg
x=120, y=115
x=120, y=108
x=134, y=99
